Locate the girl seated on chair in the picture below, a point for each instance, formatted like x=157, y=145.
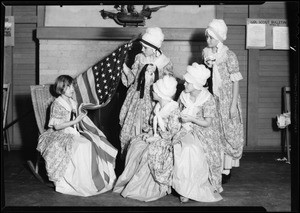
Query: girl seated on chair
x=79, y=161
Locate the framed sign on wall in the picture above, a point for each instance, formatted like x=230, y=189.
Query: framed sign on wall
x=267, y=34
x=9, y=31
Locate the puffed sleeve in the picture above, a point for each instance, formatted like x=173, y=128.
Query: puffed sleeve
x=173, y=125
x=58, y=114
x=129, y=77
x=233, y=67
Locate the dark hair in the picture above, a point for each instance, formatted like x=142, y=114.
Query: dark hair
x=141, y=80
x=62, y=82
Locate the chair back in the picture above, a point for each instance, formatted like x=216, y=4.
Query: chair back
x=42, y=97
x=6, y=91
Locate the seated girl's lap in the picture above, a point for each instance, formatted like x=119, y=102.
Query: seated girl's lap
x=80, y=142
x=189, y=141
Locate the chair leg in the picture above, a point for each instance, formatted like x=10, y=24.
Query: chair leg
x=6, y=139
x=287, y=139
x=35, y=169
x=38, y=158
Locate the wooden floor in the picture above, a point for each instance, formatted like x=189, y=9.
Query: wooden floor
x=260, y=181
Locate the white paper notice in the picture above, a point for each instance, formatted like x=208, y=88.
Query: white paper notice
x=256, y=35
x=281, y=38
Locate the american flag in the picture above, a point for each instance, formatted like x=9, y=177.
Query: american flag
x=96, y=86
x=94, y=89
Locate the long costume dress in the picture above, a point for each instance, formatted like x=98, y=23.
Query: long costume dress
x=197, y=152
x=225, y=72
x=149, y=164
x=79, y=163
x=135, y=112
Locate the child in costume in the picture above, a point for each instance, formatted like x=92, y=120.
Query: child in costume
x=79, y=161
x=149, y=161
x=149, y=66
x=197, y=148
x=226, y=77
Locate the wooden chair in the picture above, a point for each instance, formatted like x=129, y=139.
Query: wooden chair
x=6, y=93
x=286, y=131
x=42, y=97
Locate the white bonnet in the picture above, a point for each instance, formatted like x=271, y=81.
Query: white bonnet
x=197, y=74
x=154, y=36
x=217, y=29
x=165, y=87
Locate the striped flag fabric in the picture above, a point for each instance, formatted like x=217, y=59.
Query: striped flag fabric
x=96, y=86
x=103, y=153
x=94, y=89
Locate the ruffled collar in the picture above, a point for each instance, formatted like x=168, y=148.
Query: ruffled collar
x=219, y=56
x=185, y=98
x=66, y=105
x=221, y=52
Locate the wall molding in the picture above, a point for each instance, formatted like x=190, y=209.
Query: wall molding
x=113, y=33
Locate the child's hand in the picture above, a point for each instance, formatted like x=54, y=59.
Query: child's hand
x=80, y=117
x=125, y=68
x=209, y=61
x=186, y=118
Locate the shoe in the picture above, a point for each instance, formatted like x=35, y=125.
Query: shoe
x=226, y=178
x=184, y=199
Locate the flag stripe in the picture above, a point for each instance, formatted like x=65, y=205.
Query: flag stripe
x=96, y=176
x=104, y=158
x=105, y=145
x=83, y=89
x=91, y=79
x=88, y=87
x=78, y=94
x=94, y=130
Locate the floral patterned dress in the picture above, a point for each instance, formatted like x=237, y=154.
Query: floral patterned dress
x=78, y=162
x=135, y=112
x=226, y=68
x=149, y=163
x=197, y=152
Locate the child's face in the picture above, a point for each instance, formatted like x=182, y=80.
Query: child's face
x=211, y=42
x=188, y=87
x=148, y=51
x=69, y=90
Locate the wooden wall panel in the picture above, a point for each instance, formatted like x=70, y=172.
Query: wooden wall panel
x=24, y=75
x=273, y=10
x=273, y=75
x=235, y=14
